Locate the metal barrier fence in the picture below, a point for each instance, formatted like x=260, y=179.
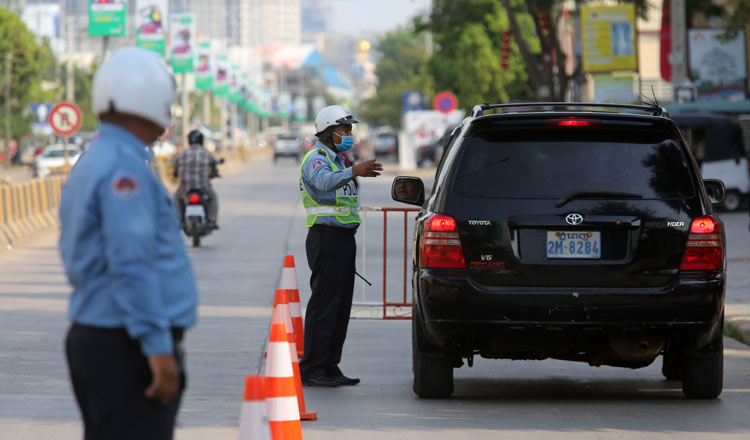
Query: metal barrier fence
x=28, y=207
x=390, y=309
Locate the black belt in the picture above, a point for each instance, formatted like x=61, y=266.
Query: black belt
x=177, y=333
x=334, y=229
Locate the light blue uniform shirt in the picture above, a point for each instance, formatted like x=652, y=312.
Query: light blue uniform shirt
x=322, y=181
x=121, y=245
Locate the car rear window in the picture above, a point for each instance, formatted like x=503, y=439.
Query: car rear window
x=555, y=163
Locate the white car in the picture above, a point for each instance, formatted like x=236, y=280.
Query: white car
x=53, y=156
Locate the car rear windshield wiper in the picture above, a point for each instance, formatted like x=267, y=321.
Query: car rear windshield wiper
x=596, y=195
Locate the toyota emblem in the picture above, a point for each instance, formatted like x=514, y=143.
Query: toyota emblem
x=574, y=219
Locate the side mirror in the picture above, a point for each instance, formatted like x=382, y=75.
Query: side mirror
x=408, y=190
x=715, y=190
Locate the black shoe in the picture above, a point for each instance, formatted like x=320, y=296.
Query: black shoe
x=320, y=381
x=346, y=381
x=336, y=374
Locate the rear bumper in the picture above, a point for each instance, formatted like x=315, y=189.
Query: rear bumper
x=456, y=311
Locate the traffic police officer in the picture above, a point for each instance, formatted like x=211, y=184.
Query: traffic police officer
x=329, y=194
x=134, y=290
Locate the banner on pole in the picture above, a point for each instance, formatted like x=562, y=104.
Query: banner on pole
x=204, y=64
x=108, y=18
x=221, y=80
x=234, y=83
x=151, y=25
x=182, y=42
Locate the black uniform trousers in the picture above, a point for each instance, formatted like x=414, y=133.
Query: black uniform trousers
x=110, y=375
x=331, y=254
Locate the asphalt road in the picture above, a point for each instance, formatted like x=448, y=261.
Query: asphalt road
x=238, y=269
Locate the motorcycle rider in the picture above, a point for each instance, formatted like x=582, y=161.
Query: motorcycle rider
x=195, y=167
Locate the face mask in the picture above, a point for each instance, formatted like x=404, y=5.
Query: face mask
x=346, y=142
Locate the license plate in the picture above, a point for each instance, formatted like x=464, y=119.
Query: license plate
x=195, y=211
x=574, y=244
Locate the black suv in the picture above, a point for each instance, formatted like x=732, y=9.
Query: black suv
x=571, y=231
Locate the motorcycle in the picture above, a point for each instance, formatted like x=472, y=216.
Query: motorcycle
x=195, y=224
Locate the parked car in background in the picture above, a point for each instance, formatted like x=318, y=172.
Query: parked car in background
x=53, y=157
x=288, y=146
x=717, y=144
x=385, y=144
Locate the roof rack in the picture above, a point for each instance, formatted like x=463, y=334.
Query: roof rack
x=653, y=110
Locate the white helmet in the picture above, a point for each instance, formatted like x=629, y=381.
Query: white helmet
x=135, y=81
x=331, y=116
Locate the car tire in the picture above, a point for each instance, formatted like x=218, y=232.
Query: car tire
x=733, y=201
x=433, y=372
x=671, y=366
x=703, y=372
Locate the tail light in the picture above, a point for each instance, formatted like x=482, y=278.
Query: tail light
x=440, y=247
x=194, y=199
x=704, y=249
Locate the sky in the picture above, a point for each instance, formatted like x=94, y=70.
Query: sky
x=355, y=16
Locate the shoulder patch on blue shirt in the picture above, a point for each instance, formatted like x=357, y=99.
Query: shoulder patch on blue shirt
x=317, y=163
x=125, y=185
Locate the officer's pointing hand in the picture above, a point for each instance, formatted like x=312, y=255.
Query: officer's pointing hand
x=368, y=168
x=166, y=378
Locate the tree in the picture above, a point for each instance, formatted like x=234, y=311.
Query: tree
x=402, y=66
x=468, y=58
x=26, y=66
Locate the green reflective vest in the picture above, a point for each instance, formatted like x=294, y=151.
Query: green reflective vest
x=346, y=198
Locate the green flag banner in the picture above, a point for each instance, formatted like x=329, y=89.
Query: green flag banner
x=108, y=19
x=182, y=42
x=151, y=25
x=204, y=66
x=221, y=80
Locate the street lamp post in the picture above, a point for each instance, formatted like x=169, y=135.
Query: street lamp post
x=8, y=61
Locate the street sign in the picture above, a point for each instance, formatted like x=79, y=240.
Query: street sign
x=445, y=102
x=65, y=118
x=412, y=100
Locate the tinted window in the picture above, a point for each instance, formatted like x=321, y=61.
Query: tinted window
x=555, y=163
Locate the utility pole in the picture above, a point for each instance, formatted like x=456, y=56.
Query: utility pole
x=185, y=108
x=683, y=89
x=70, y=83
x=207, y=108
x=8, y=61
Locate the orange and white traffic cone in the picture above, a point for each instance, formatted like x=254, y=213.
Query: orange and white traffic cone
x=281, y=315
x=281, y=393
x=254, y=413
x=289, y=282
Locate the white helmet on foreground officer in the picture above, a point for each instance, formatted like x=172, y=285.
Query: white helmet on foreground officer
x=133, y=86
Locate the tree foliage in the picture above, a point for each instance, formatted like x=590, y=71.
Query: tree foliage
x=402, y=67
x=25, y=75
x=467, y=57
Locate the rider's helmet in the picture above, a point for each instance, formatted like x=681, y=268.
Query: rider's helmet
x=195, y=137
x=332, y=116
x=135, y=81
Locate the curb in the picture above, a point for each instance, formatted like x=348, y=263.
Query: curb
x=738, y=327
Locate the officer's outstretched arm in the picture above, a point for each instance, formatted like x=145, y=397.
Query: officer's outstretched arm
x=128, y=214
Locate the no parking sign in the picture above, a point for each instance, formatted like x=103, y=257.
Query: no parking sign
x=445, y=102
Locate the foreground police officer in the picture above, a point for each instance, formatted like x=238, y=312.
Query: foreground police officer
x=329, y=194
x=134, y=290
